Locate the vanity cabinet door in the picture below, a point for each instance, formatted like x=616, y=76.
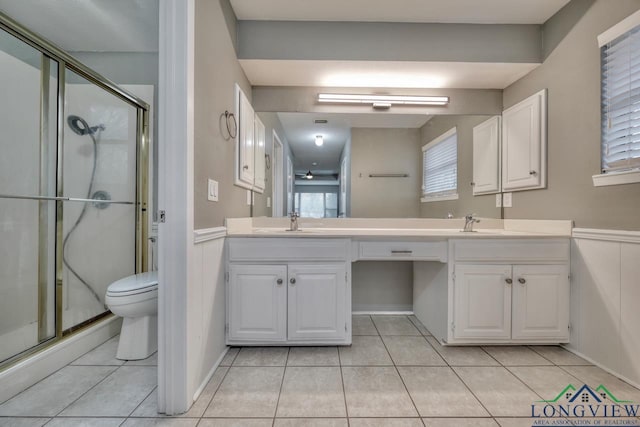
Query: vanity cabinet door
x=524, y=130
x=541, y=302
x=245, y=152
x=259, y=181
x=317, y=301
x=482, y=302
x=486, y=157
x=257, y=301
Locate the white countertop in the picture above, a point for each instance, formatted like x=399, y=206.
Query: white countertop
x=402, y=228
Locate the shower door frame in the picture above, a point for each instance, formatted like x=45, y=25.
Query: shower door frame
x=65, y=61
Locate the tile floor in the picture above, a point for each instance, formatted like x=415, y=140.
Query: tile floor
x=394, y=374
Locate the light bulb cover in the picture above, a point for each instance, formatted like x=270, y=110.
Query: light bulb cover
x=382, y=99
x=309, y=175
x=319, y=140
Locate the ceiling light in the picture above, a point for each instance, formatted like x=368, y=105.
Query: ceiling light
x=309, y=175
x=314, y=164
x=383, y=101
x=319, y=140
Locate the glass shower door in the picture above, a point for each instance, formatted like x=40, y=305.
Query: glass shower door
x=28, y=111
x=99, y=176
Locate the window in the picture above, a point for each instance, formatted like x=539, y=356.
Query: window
x=620, y=55
x=317, y=205
x=440, y=168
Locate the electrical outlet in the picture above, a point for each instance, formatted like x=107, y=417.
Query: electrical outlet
x=507, y=200
x=212, y=192
x=499, y=200
x=268, y=202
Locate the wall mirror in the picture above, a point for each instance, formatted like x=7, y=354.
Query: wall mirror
x=363, y=165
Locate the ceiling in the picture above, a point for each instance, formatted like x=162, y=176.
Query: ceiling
x=301, y=131
x=444, y=11
x=90, y=25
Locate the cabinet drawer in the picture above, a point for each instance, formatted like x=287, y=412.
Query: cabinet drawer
x=521, y=251
x=287, y=249
x=399, y=250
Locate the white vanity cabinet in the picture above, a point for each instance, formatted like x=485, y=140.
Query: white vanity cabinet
x=284, y=291
x=497, y=291
x=524, y=143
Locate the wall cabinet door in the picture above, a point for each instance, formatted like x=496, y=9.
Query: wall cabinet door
x=524, y=131
x=541, y=302
x=259, y=181
x=482, y=301
x=486, y=157
x=257, y=302
x=317, y=301
x=245, y=153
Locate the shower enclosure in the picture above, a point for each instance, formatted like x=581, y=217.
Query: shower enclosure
x=73, y=191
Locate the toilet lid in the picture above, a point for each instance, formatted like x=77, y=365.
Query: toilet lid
x=137, y=283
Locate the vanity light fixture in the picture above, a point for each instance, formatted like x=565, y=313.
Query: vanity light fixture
x=319, y=140
x=382, y=101
x=309, y=175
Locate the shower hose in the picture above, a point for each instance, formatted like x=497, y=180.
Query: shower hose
x=91, y=132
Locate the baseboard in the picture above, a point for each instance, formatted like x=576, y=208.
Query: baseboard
x=26, y=373
x=384, y=312
x=601, y=366
x=204, y=383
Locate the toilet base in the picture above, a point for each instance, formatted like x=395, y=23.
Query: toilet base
x=138, y=338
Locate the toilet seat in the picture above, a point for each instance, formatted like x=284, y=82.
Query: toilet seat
x=138, y=284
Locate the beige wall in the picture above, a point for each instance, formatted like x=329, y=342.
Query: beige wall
x=385, y=151
x=216, y=71
x=483, y=206
x=572, y=75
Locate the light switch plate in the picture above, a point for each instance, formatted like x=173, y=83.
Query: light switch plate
x=507, y=200
x=212, y=192
x=499, y=200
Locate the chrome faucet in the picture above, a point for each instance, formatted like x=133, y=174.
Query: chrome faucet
x=293, y=216
x=469, y=220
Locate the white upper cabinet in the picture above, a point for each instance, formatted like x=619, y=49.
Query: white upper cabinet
x=524, y=144
x=259, y=169
x=486, y=157
x=245, y=150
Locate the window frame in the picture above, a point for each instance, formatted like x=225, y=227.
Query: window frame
x=453, y=195
x=614, y=177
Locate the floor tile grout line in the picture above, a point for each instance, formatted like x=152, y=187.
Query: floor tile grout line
x=87, y=391
x=143, y=400
x=284, y=372
x=398, y=371
x=344, y=391
x=217, y=389
x=470, y=390
x=228, y=368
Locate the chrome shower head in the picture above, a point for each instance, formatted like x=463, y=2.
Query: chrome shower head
x=81, y=127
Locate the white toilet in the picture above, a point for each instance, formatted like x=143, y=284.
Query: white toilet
x=135, y=298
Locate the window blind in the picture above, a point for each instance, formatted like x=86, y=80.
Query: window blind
x=440, y=166
x=621, y=102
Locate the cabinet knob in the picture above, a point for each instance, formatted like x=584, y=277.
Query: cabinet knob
x=508, y=280
x=532, y=172
x=279, y=281
x=292, y=280
x=522, y=280
x=245, y=167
